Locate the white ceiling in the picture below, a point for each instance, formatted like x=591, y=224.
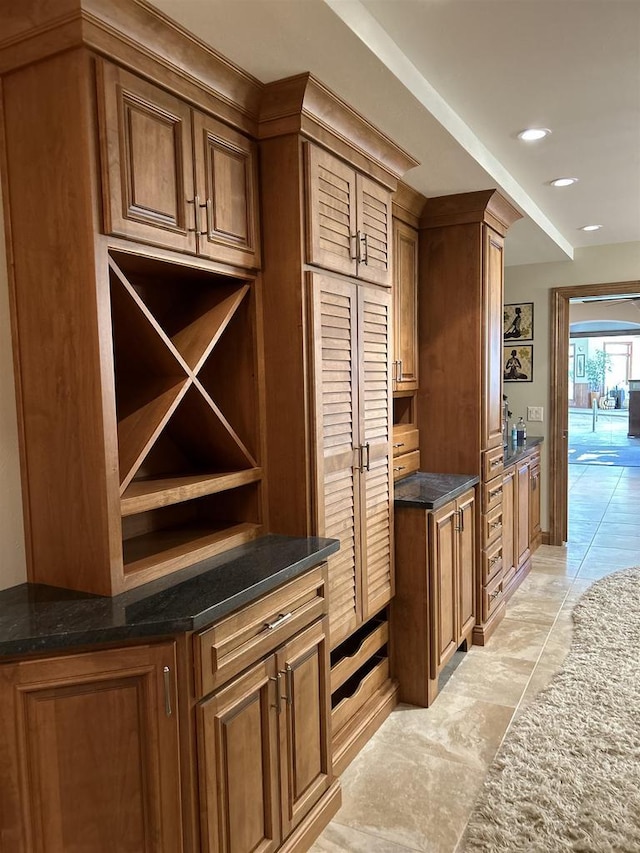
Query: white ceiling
x=453, y=81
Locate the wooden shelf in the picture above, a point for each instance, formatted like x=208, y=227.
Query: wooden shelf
x=144, y=495
x=154, y=554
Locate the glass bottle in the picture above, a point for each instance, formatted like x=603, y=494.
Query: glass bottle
x=521, y=431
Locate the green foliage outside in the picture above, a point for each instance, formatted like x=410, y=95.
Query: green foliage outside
x=596, y=368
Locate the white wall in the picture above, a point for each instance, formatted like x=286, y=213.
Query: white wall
x=532, y=283
x=12, y=559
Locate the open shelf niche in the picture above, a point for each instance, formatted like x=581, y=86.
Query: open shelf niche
x=188, y=409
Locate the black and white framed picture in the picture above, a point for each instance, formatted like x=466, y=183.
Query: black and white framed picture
x=518, y=322
x=518, y=363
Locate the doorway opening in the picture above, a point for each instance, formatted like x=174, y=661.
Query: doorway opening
x=566, y=368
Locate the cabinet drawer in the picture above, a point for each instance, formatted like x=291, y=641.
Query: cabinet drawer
x=492, y=596
x=406, y=464
x=404, y=441
x=491, y=526
x=491, y=562
x=239, y=640
x=492, y=494
x=492, y=463
x=355, y=651
x=374, y=676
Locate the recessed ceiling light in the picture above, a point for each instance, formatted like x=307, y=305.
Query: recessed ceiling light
x=531, y=134
x=563, y=182
x=590, y=228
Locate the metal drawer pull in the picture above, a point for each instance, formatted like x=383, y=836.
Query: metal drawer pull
x=282, y=617
x=276, y=678
x=494, y=560
x=494, y=595
x=400, y=468
x=167, y=691
x=195, y=201
x=495, y=493
x=497, y=462
x=288, y=672
x=400, y=444
x=496, y=524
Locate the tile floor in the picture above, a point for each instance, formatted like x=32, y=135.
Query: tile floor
x=413, y=785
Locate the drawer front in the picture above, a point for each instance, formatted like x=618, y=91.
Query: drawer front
x=239, y=640
x=491, y=526
x=404, y=441
x=406, y=464
x=352, y=659
x=492, y=494
x=492, y=596
x=491, y=562
x=346, y=708
x=492, y=463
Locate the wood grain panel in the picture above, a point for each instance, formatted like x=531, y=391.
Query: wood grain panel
x=466, y=544
x=374, y=225
x=492, y=286
x=405, y=306
x=443, y=585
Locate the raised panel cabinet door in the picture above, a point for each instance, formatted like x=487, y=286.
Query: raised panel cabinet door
x=405, y=307
x=492, y=290
x=534, y=504
x=305, y=717
x=226, y=181
x=466, y=506
x=443, y=585
x=375, y=427
x=522, y=525
x=509, y=510
x=89, y=754
x=237, y=730
x=147, y=161
x=374, y=231
x=331, y=212
x=337, y=458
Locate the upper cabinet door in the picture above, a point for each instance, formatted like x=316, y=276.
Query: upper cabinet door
x=226, y=180
x=405, y=307
x=492, y=330
x=331, y=212
x=374, y=231
x=147, y=164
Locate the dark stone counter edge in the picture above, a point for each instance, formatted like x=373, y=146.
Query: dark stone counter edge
x=27, y=628
x=466, y=481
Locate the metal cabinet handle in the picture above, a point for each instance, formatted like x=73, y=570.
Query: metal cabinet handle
x=495, y=525
x=496, y=462
x=400, y=444
x=367, y=447
x=288, y=672
x=166, y=672
x=400, y=468
x=195, y=201
x=494, y=560
x=282, y=617
x=355, y=256
x=277, y=678
x=495, y=493
x=365, y=258
x=208, y=209
x=494, y=595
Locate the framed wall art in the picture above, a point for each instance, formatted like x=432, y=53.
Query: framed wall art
x=518, y=363
x=580, y=365
x=518, y=322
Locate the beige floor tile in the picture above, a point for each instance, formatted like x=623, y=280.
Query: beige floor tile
x=603, y=561
x=607, y=539
x=518, y=639
x=456, y=728
x=338, y=839
x=490, y=677
x=409, y=798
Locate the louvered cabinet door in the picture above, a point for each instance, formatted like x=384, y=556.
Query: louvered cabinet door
x=331, y=212
x=334, y=373
x=376, y=481
x=492, y=344
x=374, y=231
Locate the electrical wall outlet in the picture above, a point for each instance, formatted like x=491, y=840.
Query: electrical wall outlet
x=534, y=413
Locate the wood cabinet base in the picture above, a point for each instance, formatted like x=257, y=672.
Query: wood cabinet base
x=482, y=633
x=350, y=739
x=311, y=827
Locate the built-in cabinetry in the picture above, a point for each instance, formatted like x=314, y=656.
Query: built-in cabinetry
x=434, y=610
x=407, y=205
x=461, y=253
x=90, y=752
x=263, y=733
x=328, y=354
x=521, y=515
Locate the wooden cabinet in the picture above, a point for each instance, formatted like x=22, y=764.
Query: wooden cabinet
x=173, y=176
x=521, y=514
x=326, y=182
x=348, y=219
x=90, y=755
x=264, y=734
x=535, y=530
x=141, y=368
x=434, y=611
x=353, y=427
x=461, y=253
x=405, y=307
x=509, y=561
x=523, y=552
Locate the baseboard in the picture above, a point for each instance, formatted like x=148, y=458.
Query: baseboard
x=546, y=537
x=348, y=742
x=482, y=633
x=310, y=828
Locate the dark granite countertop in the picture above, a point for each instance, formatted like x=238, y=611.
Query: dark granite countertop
x=513, y=452
x=431, y=491
x=36, y=617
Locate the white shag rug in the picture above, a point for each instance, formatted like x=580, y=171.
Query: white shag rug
x=567, y=776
